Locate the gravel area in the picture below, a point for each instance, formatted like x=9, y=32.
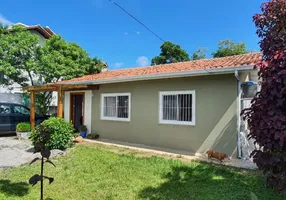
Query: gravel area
x=14, y=152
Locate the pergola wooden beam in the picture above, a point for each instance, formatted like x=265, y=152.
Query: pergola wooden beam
x=60, y=88
x=32, y=110
x=46, y=88
x=60, y=102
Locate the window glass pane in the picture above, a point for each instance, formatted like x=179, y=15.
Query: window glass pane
x=170, y=106
x=122, y=106
x=17, y=110
x=109, y=107
x=4, y=109
x=185, y=107
x=21, y=110
x=25, y=111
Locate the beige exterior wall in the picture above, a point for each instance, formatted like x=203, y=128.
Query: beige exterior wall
x=216, y=109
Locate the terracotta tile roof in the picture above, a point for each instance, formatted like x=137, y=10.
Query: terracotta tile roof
x=230, y=61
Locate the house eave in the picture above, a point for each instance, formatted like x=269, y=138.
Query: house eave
x=204, y=72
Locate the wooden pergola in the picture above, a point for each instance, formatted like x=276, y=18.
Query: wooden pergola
x=60, y=88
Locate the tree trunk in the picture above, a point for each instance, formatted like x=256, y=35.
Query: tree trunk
x=31, y=78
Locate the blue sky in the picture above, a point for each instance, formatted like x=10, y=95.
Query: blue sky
x=106, y=32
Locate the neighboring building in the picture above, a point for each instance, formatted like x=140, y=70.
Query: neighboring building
x=193, y=106
x=13, y=93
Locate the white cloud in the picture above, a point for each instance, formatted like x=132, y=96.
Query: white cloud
x=125, y=33
x=118, y=65
x=138, y=32
x=142, y=61
x=5, y=21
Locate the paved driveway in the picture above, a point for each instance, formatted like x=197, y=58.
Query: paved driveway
x=14, y=152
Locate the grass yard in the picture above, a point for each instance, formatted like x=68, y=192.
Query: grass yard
x=97, y=172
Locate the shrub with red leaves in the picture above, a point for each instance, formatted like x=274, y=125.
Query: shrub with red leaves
x=267, y=115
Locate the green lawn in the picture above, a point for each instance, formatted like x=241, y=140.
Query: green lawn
x=97, y=172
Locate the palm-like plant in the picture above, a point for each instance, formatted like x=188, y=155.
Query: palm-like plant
x=43, y=137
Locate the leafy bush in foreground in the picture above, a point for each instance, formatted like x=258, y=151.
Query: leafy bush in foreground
x=61, y=133
x=23, y=127
x=267, y=115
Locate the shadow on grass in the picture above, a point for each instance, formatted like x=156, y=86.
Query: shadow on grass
x=203, y=182
x=14, y=189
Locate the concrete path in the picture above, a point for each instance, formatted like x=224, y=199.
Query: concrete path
x=182, y=155
x=14, y=152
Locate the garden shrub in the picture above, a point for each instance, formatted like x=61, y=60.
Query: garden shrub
x=23, y=127
x=267, y=115
x=61, y=133
x=92, y=136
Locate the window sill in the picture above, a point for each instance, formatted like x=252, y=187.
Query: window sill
x=177, y=123
x=115, y=119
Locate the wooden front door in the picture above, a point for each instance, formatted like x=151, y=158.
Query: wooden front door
x=77, y=109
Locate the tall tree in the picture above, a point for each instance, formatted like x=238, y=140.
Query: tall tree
x=170, y=53
x=199, y=54
x=229, y=48
x=18, y=57
x=61, y=60
x=267, y=115
x=24, y=61
x=96, y=65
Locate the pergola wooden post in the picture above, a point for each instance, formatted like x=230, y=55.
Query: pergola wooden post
x=60, y=102
x=32, y=110
x=60, y=88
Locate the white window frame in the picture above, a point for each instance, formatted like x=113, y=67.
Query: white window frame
x=102, y=117
x=162, y=121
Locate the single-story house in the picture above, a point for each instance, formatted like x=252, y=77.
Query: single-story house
x=192, y=106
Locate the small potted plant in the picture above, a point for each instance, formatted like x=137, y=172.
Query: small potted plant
x=93, y=136
x=23, y=130
x=83, y=130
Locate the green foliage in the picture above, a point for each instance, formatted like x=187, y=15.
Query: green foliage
x=23, y=127
x=95, y=66
x=43, y=100
x=170, y=53
x=229, y=48
x=92, y=136
x=267, y=115
x=26, y=99
x=18, y=54
x=82, y=128
x=61, y=59
x=76, y=135
x=24, y=61
x=61, y=133
x=199, y=54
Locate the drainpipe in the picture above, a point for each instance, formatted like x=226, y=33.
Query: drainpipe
x=238, y=114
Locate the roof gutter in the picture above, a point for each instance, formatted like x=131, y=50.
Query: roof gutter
x=225, y=70
x=239, y=152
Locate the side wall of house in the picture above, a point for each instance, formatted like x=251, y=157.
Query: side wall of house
x=216, y=114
